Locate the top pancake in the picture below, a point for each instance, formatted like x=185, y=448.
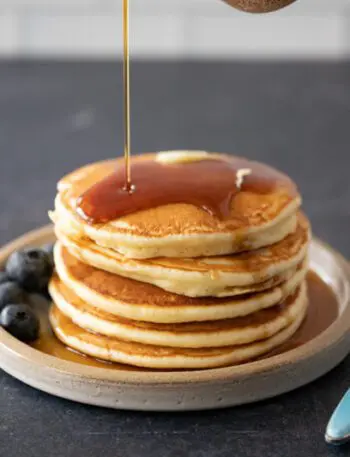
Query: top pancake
x=183, y=230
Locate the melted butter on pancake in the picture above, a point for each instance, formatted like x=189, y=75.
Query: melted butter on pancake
x=178, y=157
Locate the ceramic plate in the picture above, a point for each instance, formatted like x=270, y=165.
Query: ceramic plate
x=186, y=390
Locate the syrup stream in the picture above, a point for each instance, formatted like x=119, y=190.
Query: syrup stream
x=126, y=71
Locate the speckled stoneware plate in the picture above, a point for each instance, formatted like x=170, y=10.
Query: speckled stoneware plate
x=187, y=390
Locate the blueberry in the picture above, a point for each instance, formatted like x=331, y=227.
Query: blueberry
x=3, y=277
x=21, y=322
x=31, y=269
x=10, y=292
x=48, y=248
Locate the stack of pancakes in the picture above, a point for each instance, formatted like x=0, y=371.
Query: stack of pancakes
x=174, y=287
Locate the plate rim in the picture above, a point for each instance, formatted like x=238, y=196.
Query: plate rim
x=335, y=333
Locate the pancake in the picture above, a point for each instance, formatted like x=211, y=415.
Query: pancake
x=228, y=332
x=184, y=230
x=142, y=301
x=205, y=276
x=158, y=357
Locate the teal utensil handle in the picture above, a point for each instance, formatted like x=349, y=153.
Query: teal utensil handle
x=338, y=429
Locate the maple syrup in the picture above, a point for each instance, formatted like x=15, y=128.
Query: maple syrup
x=127, y=119
x=209, y=184
x=323, y=311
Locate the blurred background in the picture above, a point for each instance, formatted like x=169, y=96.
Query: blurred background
x=172, y=29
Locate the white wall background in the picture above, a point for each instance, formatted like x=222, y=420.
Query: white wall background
x=173, y=28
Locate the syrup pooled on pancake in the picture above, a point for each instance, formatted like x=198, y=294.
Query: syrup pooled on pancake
x=194, y=205
x=209, y=184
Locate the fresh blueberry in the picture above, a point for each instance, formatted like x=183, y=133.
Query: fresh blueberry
x=48, y=248
x=21, y=322
x=10, y=292
x=3, y=277
x=30, y=268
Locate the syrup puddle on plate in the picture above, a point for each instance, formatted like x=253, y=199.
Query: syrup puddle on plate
x=323, y=311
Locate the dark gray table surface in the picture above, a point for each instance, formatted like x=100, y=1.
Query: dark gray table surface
x=56, y=116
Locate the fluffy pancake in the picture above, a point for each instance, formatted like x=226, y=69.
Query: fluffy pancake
x=205, y=276
x=136, y=300
x=228, y=332
x=148, y=356
x=183, y=230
